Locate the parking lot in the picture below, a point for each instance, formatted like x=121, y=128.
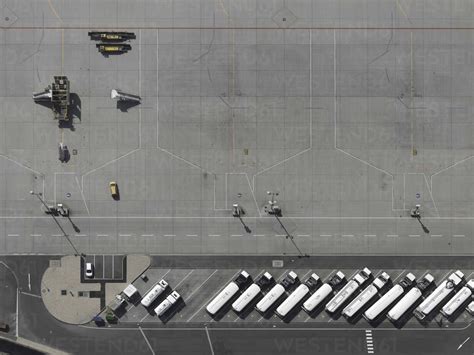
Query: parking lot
x=110, y=268
x=198, y=286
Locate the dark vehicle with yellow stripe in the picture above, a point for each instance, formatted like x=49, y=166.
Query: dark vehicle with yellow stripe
x=111, y=36
x=105, y=48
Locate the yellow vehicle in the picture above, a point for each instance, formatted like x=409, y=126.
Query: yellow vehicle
x=105, y=48
x=114, y=189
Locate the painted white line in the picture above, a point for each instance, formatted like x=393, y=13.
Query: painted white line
x=436, y=235
x=182, y=280
x=325, y=235
x=30, y=294
x=370, y=235
x=303, y=235
x=148, y=235
x=169, y=235
x=35, y=235
x=29, y=281
x=146, y=340
x=56, y=235
x=17, y=307
x=13, y=235
x=80, y=235
x=413, y=235
x=259, y=235
x=399, y=275
x=125, y=235
x=213, y=235
x=102, y=235
x=392, y=235
x=191, y=235
x=192, y=293
x=348, y=235
x=458, y=235
x=236, y=235
x=280, y=235
x=209, y=339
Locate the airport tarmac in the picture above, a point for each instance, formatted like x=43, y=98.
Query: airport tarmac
x=352, y=113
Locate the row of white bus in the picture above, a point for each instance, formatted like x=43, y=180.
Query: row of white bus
x=153, y=294
x=374, y=297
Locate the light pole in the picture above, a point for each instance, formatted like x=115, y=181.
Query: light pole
x=275, y=210
x=237, y=212
x=57, y=222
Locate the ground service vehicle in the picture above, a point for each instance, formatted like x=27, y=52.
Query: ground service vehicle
x=250, y=293
x=444, y=289
x=154, y=293
x=105, y=48
x=470, y=308
x=464, y=294
x=346, y=292
x=167, y=303
x=410, y=298
x=296, y=296
x=227, y=293
x=365, y=296
x=389, y=298
x=113, y=189
x=323, y=292
x=276, y=292
x=107, y=36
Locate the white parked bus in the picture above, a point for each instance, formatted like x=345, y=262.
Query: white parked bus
x=226, y=294
x=365, y=296
x=250, y=293
x=387, y=299
x=346, y=292
x=409, y=299
x=459, y=298
x=444, y=289
x=154, y=293
x=167, y=303
x=296, y=296
x=276, y=292
x=317, y=298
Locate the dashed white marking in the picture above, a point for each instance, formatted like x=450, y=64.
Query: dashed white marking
x=35, y=235
x=13, y=235
x=236, y=235
x=348, y=235
x=458, y=235
x=125, y=235
x=436, y=235
x=80, y=235
x=148, y=235
x=392, y=235
x=102, y=235
x=170, y=235
x=259, y=235
x=280, y=235
x=370, y=235
x=56, y=235
x=325, y=235
x=191, y=235
x=214, y=235
x=413, y=235
x=303, y=235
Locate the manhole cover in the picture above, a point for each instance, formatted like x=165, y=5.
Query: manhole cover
x=68, y=194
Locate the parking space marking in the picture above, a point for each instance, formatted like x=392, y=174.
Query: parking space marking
x=192, y=293
x=225, y=284
x=146, y=340
x=399, y=275
x=189, y=274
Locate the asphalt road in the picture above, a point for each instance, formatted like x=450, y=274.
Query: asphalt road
x=8, y=299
